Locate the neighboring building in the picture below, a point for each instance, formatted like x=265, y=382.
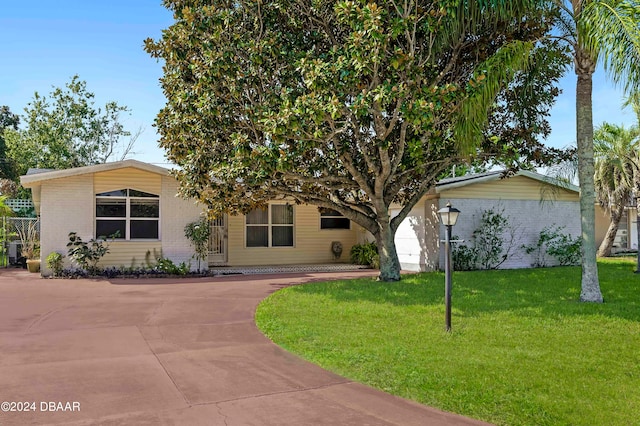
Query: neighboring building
x=139, y=200
x=627, y=235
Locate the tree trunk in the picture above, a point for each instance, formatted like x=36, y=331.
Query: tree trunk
x=389, y=262
x=585, y=67
x=607, y=243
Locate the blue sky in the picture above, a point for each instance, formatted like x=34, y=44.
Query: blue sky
x=46, y=42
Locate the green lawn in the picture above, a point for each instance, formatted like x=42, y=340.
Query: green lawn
x=523, y=350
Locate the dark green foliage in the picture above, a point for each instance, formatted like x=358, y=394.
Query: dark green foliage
x=167, y=266
x=463, y=257
x=364, y=254
x=350, y=106
x=491, y=243
x=8, y=120
x=565, y=249
x=553, y=242
x=66, y=130
x=87, y=255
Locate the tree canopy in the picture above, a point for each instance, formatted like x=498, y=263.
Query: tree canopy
x=348, y=105
x=67, y=130
x=8, y=120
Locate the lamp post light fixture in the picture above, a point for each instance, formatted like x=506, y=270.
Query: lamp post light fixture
x=448, y=217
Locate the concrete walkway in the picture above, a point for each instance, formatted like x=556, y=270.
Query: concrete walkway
x=171, y=352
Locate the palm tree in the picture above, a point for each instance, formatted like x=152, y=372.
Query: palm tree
x=616, y=158
x=606, y=32
x=633, y=100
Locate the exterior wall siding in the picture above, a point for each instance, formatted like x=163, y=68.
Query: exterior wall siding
x=311, y=244
x=528, y=217
x=513, y=188
x=127, y=177
x=66, y=208
x=132, y=254
x=602, y=224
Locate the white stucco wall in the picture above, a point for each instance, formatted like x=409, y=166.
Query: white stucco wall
x=175, y=214
x=416, y=237
x=528, y=217
x=66, y=206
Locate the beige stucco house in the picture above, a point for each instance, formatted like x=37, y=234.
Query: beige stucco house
x=627, y=235
x=139, y=201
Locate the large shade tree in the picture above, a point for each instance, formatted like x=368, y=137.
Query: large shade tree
x=8, y=120
x=616, y=151
x=66, y=129
x=347, y=105
x=598, y=32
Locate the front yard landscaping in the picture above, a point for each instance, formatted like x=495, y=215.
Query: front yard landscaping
x=523, y=350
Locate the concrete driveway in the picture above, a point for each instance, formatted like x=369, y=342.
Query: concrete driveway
x=183, y=352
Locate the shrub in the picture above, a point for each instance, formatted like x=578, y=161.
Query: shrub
x=566, y=249
x=87, y=255
x=168, y=267
x=464, y=258
x=365, y=254
x=198, y=234
x=553, y=242
x=492, y=243
x=54, y=262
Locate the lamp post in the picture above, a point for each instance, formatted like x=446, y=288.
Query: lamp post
x=448, y=217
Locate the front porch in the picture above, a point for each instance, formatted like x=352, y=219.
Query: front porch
x=272, y=269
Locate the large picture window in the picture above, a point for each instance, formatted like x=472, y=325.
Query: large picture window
x=132, y=214
x=331, y=219
x=270, y=227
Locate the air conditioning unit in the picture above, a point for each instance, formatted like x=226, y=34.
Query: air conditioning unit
x=15, y=251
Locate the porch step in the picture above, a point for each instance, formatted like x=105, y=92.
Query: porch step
x=273, y=269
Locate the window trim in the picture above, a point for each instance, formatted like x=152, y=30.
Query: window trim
x=270, y=227
x=127, y=217
x=339, y=216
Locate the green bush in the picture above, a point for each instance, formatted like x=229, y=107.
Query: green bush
x=365, y=254
x=464, y=258
x=168, y=267
x=492, y=243
x=198, y=234
x=54, y=262
x=553, y=242
x=87, y=255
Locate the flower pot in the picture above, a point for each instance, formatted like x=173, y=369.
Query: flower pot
x=33, y=265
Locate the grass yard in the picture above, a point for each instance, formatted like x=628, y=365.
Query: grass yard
x=523, y=350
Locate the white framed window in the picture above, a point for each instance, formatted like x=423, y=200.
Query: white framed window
x=270, y=227
x=132, y=214
x=331, y=219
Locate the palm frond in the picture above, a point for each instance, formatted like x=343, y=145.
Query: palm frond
x=498, y=71
x=616, y=163
x=609, y=30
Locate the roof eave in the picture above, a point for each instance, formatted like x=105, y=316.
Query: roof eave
x=31, y=180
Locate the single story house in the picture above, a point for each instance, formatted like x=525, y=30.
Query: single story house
x=139, y=201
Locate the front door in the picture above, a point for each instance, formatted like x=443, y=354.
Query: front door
x=218, y=241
